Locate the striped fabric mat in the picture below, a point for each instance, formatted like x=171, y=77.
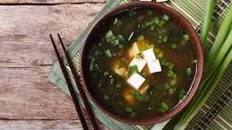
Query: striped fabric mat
x=216, y=114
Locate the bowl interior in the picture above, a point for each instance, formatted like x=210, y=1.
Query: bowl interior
x=193, y=39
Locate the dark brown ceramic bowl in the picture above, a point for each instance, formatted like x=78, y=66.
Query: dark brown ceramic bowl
x=193, y=38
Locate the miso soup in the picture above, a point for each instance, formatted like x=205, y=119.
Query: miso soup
x=140, y=63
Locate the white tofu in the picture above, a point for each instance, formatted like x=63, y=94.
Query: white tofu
x=149, y=55
x=154, y=66
x=135, y=81
x=139, y=62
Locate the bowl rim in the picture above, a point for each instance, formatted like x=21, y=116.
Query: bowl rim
x=198, y=72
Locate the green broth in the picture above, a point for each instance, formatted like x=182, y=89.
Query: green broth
x=161, y=91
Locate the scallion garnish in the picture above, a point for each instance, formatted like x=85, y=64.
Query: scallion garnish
x=219, y=58
x=108, y=53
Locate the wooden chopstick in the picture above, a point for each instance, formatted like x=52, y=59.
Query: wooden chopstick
x=70, y=86
x=79, y=86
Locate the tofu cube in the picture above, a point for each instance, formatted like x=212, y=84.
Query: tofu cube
x=154, y=66
x=133, y=50
x=118, y=68
x=135, y=81
x=139, y=62
x=120, y=71
x=149, y=55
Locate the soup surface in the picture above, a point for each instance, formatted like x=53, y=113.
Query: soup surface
x=140, y=63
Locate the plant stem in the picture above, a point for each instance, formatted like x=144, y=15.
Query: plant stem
x=221, y=54
x=207, y=21
x=221, y=37
x=183, y=122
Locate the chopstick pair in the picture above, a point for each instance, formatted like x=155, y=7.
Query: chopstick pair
x=71, y=87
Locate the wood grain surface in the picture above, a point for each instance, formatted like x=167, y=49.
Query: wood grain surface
x=42, y=125
x=28, y=100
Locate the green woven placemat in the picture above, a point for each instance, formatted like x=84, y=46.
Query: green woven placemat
x=192, y=10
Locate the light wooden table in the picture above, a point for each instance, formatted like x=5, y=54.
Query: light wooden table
x=28, y=101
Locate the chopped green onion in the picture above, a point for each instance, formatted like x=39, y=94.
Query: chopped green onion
x=97, y=52
x=171, y=66
x=160, y=37
x=152, y=28
x=159, y=41
x=115, y=21
x=173, y=82
x=112, y=39
x=119, y=23
x=166, y=17
x=194, y=61
x=108, y=53
x=106, y=73
x=106, y=97
x=171, y=74
x=156, y=20
x=128, y=109
x=185, y=37
x=164, y=106
x=160, y=55
x=109, y=34
x=165, y=38
x=141, y=97
x=189, y=71
x=118, y=85
x=171, y=91
x=133, y=69
x=91, y=65
x=132, y=114
x=132, y=13
x=181, y=93
x=120, y=46
x=146, y=97
x=120, y=37
x=139, y=26
x=147, y=24
x=161, y=23
x=167, y=86
x=163, y=62
x=173, y=46
x=116, y=42
x=100, y=44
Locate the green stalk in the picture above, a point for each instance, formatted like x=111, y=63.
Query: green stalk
x=221, y=36
x=210, y=71
x=221, y=53
x=219, y=57
x=208, y=89
x=207, y=21
x=222, y=59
